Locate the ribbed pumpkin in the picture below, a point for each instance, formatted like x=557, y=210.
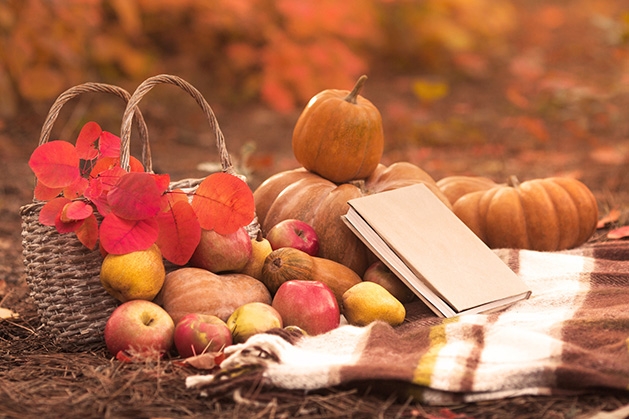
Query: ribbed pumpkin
x=455, y=187
x=542, y=214
x=339, y=135
x=319, y=202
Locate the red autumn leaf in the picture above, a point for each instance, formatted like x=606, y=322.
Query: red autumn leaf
x=56, y=164
x=618, y=233
x=44, y=193
x=110, y=177
x=66, y=226
x=94, y=189
x=101, y=204
x=162, y=181
x=119, y=236
x=76, y=210
x=135, y=165
x=87, y=233
x=223, y=203
x=169, y=199
x=77, y=189
x=176, y=195
x=179, y=232
x=51, y=210
x=135, y=196
x=100, y=185
x=86, y=141
x=109, y=145
x=103, y=164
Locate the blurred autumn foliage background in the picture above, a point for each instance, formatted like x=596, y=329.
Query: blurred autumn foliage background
x=279, y=52
x=490, y=77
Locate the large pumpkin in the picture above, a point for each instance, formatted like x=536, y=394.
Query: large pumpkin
x=319, y=202
x=542, y=214
x=339, y=135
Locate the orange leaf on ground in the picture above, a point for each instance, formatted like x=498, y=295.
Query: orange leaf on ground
x=205, y=361
x=612, y=216
x=619, y=233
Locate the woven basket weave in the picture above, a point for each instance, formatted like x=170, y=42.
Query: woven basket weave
x=63, y=275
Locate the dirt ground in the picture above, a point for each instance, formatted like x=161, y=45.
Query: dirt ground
x=491, y=123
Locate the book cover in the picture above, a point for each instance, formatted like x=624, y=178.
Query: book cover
x=433, y=252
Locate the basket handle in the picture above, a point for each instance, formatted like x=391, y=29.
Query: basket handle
x=143, y=89
x=90, y=87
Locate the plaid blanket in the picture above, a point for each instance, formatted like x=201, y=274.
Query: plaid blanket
x=571, y=336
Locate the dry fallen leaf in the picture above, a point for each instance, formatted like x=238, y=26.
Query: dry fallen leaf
x=5, y=313
x=612, y=216
x=618, y=233
x=205, y=361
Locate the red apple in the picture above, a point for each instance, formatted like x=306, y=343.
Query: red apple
x=139, y=327
x=199, y=333
x=380, y=273
x=294, y=233
x=252, y=318
x=222, y=252
x=310, y=305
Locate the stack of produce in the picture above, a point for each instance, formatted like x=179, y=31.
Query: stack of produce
x=305, y=271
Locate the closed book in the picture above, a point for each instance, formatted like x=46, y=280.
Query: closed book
x=433, y=252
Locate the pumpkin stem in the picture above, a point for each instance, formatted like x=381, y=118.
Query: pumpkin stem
x=513, y=181
x=351, y=97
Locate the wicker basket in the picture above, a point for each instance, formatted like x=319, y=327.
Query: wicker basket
x=63, y=275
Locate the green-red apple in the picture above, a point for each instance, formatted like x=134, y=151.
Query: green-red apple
x=222, y=252
x=200, y=333
x=310, y=305
x=252, y=318
x=139, y=327
x=294, y=233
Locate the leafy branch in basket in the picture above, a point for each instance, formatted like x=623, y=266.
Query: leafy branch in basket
x=137, y=208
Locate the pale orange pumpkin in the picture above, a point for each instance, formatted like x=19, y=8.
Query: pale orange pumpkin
x=339, y=135
x=319, y=202
x=541, y=214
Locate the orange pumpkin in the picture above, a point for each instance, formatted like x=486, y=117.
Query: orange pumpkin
x=455, y=187
x=541, y=214
x=339, y=135
x=319, y=202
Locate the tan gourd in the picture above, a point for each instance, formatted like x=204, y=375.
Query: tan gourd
x=286, y=263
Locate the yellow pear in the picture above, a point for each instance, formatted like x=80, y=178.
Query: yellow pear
x=133, y=276
x=260, y=249
x=252, y=318
x=367, y=301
